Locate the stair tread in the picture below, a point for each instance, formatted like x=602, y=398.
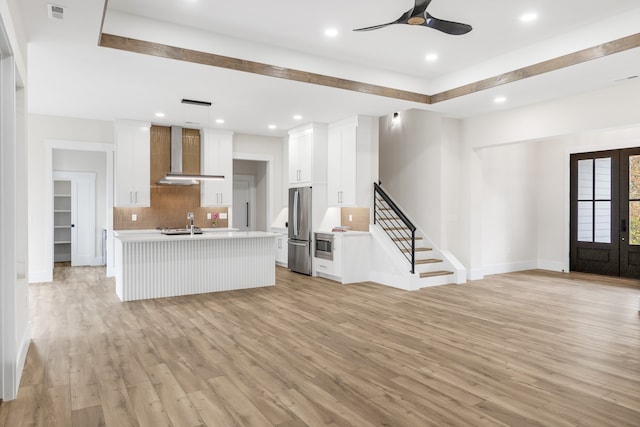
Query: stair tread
x=435, y=273
x=428, y=261
x=417, y=250
x=394, y=228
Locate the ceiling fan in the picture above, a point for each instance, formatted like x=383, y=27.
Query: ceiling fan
x=418, y=15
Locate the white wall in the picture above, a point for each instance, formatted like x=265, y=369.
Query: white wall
x=510, y=208
x=88, y=161
x=411, y=153
x=541, y=137
x=272, y=147
x=15, y=330
x=493, y=189
x=41, y=129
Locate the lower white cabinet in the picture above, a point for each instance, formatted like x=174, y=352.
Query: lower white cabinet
x=351, y=259
x=282, y=250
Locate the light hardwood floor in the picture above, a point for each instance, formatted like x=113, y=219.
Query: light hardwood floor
x=520, y=349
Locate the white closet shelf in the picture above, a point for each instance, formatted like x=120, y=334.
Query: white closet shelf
x=62, y=242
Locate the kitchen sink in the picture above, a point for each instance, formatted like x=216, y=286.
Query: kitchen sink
x=180, y=231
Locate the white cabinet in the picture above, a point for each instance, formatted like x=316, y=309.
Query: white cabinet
x=351, y=258
x=301, y=157
x=217, y=159
x=282, y=250
x=349, y=171
x=132, y=165
x=342, y=167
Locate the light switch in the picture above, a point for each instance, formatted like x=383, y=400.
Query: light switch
x=350, y=217
x=223, y=215
x=134, y=217
x=208, y=215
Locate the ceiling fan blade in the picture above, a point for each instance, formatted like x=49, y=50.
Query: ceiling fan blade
x=420, y=7
x=375, y=27
x=449, y=27
x=401, y=20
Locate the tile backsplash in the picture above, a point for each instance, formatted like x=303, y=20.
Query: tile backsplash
x=359, y=218
x=169, y=207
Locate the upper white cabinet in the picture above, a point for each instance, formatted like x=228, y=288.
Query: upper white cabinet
x=307, y=155
x=301, y=158
x=133, y=165
x=349, y=171
x=217, y=159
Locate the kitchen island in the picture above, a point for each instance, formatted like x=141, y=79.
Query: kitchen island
x=153, y=265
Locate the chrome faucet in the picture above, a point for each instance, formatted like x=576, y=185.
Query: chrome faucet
x=190, y=226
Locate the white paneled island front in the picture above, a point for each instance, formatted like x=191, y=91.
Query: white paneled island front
x=152, y=265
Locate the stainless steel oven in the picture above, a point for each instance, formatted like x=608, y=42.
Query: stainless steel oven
x=324, y=246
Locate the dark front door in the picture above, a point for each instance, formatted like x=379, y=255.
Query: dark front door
x=605, y=212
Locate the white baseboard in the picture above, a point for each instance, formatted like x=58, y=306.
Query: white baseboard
x=552, y=266
x=40, y=276
x=475, y=274
x=510, y=267
x=97, y=262
x=391, y=280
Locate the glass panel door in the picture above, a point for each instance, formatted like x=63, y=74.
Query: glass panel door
x=594, y=217
x=605, y=212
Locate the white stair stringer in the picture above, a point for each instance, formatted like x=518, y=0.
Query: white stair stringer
x=390, y=267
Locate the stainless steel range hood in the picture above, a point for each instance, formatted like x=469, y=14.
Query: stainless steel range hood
x=175, y=176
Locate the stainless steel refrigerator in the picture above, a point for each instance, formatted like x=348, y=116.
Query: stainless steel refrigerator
x=300, y=230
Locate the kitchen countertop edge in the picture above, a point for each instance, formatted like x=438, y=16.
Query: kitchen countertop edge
x=154, y=236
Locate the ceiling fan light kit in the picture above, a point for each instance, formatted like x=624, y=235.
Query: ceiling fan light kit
x=418, y=15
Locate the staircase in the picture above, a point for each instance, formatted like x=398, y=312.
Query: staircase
x=423, y=263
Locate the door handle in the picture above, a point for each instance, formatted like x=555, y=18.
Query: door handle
x=295, y=213
x=247, y=214
x=298, y=244
x=623, y=226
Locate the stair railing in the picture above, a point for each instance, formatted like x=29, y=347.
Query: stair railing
x=395, y=223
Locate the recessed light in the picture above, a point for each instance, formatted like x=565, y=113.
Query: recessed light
x=297, y=117
x=219, y=121
x=159, y=114
x=499, y=99
x=331, y=32
x=272, y=127
x=529, y=17
x=431, y=57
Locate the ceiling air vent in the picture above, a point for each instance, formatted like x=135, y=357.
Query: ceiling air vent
x=55, y=11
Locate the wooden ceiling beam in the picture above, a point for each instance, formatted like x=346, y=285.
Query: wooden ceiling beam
x=210, y=59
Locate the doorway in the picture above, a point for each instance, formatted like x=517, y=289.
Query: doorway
x=253, y=174
x=605, y=212
x=74, y=212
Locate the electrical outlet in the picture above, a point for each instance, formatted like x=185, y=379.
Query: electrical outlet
x=134, y=217
x=350, y=217
x=208, y=215
x=223, y=215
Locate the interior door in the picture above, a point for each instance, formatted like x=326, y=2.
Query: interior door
x=605, y=212
x=242, y=205
x=83, y=228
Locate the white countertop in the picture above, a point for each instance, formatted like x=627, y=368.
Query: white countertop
x=156, y=236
